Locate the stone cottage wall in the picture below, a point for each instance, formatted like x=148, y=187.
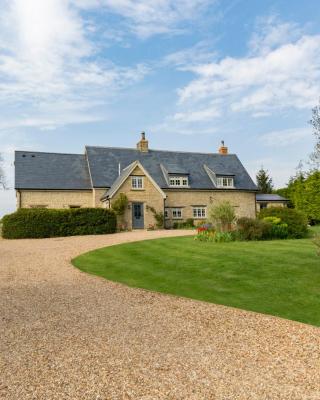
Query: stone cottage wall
x=149, y=196
x=243, y=202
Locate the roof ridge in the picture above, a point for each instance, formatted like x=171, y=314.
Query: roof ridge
x=49, y=152
x=168, y=151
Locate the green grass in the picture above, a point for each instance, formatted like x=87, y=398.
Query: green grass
x=281, y=278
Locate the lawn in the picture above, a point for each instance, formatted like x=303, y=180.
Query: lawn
x=280, y=277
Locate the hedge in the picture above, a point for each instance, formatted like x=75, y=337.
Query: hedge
x=297, y=222
x=44, y=223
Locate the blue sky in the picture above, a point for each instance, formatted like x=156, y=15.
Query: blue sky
x=188, y=72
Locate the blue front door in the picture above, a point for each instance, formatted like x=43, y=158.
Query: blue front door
x=137, y=216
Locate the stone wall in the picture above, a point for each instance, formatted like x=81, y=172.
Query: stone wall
x=97, y=194
x=271, y=204
x=149, y=196
x=55, y=198
x=243, y=202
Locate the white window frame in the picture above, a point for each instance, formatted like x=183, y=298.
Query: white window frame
x=137, y=182
x=166, y=213
x=179, y=181
x=176, y=213
x=199, y=212
x=225, y=182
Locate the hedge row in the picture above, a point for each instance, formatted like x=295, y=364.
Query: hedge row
x=297, y=222
x=43, y=223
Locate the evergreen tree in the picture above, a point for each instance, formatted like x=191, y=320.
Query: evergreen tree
x=264, y=181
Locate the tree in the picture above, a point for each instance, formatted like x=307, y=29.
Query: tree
x=3, y=182
x=222, y=216
x=264, y=181
x=119, y=206
x=315, y=122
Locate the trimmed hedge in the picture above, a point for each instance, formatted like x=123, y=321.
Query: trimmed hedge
x=297, y=222
x=44, y=223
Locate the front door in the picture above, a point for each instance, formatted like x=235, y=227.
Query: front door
x=137, y=216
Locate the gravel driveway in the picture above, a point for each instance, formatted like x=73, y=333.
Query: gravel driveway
x=68, y=335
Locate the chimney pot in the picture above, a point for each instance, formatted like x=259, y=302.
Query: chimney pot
x=142, y=145
x=223, y=149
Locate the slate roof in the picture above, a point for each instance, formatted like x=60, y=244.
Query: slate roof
x=36, y=170
x=104, y=166
x=270, y=197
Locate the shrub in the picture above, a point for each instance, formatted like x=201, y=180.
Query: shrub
x=200, y=222
x=253, y=229
x=296, y=221
x=120, y=204
x=279, y=230
x=187, y=224
x=222, y=216
x=205, y=235
x=158, y=216
x=223, y=237
x=42, y=223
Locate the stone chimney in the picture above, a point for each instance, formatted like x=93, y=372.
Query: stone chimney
x=223, y=149
x=142, y=145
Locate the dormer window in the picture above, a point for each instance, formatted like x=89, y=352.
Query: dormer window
x=179, y=181
x=225, y=182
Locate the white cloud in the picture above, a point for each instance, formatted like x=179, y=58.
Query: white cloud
x=271, y=33
x=285, y=137
x=50, y=68
x=146, y=18
x=287, y=76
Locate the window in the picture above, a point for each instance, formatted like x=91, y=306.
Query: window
x=179, y=181
x=137, y=182
x=74, y=206
x=176, y=213
x=38, y=206
x=199, y=212
x=166, y=213
x=225, y=182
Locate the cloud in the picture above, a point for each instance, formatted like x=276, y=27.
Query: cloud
x=285, y=137
x=146, y=18
x=271, y=33
x=49, y=67
x=288, y=76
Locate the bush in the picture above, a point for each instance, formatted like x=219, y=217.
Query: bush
x=187, y=224
x=224, y=237
x=205, y=235
x=279, y=230
x=158, y=216
x=253, y=229
x=296, y=221
x=222, y=216
x=42, y=223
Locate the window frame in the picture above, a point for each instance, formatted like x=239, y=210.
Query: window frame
x=137, y=178
x=175, y=210
x=225, y=182
x=166, y=213
x=195, y=212
x=178, y=181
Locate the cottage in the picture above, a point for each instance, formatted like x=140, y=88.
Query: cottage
x=180, y=184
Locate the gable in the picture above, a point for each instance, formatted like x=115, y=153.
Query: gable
x=124, y=181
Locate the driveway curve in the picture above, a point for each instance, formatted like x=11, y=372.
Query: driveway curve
x=68, y=335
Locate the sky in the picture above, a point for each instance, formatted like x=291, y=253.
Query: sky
x=189, y=73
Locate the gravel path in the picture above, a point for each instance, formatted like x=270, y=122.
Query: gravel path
x=68, y=335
